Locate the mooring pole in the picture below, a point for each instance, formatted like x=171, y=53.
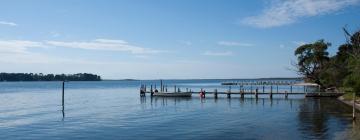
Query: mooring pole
x=256, y=93
x=161, y=86
x=271, y=92
x=63, y=100
x=215, y=94
x=263, y=89
x=242, y=93
x=354, y=106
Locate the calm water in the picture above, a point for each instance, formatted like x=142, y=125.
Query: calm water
x=114, y=110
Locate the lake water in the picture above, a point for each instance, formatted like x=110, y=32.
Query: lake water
x=114, y=110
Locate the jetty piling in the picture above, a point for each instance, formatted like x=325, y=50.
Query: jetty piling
x=353, y=115
x=256, y=93
x=271, y=92
x=229, y=92
x=263, y=89
x=215, y=94
x=63, y=99
x=245, y=88
x=242, y=93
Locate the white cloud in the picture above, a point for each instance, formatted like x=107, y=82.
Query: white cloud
x=299, y=43
x=210, y=53
x=281, y=12
x=18, y=46
x=19, y=51
x=105, y=45
x=232, y=43
x=8, y=23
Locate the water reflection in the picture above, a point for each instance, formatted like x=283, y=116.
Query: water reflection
x=317, y=116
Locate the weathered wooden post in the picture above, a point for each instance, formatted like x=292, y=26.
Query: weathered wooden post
x=166, y=88
x=151, y=89
x=215, y=93
x=263, y=89
x=256, y=93
x=63, y=100
x=271, y=92
x=286, y=94
x=242, y=93
x=354, y=106
x=251, y=89
x=161, y=86
x=229, y=92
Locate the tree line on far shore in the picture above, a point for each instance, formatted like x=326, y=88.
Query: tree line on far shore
x=48, y=77
x=341, y=70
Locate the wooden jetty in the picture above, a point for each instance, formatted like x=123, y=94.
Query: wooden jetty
x=242, y=92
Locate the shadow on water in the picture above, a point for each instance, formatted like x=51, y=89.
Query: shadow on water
x=316, y=116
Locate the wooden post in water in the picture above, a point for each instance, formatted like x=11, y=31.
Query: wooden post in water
x=151, y=89
x=242, y=93
x=286, y=94
x=229, y=92
x=263, y=89
x=251, y=90
x=291, y=89
x=215, y=93
x=256, y=93
x=161, y=86
x=63, y=100
x=354, y=106
x=271, y=92
x=277, y=88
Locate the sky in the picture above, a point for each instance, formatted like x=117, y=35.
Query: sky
x=168, y=39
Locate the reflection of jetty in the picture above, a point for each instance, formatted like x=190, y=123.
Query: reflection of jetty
x=256, y=89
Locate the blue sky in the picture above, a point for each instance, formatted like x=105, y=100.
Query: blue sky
x=165, y=39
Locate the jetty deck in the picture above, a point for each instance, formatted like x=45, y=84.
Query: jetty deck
x=257, y=88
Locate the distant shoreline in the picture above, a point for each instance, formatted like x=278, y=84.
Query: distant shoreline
x=280, y=78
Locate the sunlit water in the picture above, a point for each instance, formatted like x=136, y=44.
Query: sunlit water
x=114, y=110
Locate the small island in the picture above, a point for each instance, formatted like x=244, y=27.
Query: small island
x=48, y=77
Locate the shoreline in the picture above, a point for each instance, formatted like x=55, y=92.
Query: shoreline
x=350, y=103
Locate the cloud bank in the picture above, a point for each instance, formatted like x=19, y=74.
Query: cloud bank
x=233, y=43
x=284, y=12
x=8, y=23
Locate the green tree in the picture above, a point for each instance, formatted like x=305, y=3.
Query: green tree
x=312, y=60
x=353, y=79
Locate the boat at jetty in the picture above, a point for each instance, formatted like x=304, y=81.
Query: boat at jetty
x=171, y=94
